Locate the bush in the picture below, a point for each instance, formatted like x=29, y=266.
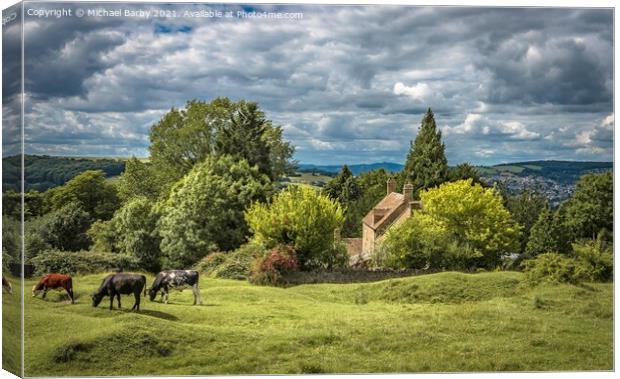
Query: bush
x=462, y=226
x=302, y=218
x=596, y=260
x=233, y=265
x=551, y=268
x=268, y=269
x=591, y=261
x=82, y=262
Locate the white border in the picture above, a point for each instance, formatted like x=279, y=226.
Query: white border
x=484, y=3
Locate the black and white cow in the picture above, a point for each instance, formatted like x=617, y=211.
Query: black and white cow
x=175, y=279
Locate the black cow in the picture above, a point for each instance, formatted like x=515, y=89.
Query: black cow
x=117, y=284
x=175, y=279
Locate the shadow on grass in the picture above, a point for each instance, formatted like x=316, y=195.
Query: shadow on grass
x=176, y=304
x=158, y=314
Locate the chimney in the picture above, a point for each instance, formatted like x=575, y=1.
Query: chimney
x=408, y=192
x=391, y=185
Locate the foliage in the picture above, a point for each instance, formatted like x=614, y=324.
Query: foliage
x=597, y=260
x=426, y=165
x=548, y=235
x=462, y=226
x=269, y=268
x=590, y=261
x=552, y=268
x=184, y=138
x=11, y=242
x=475, y=219
x=204, y=212
x=372, y=185
x=139, y=180
x=343, y=187
x=232, y=265
x=91, y=191
x=103, y=235
x=304, y=219
x=82, y=262
x=135, y=225
x=590, y=209
x=525, y=208
x=419, y=243
x=65, y=228
x=465, y=171
x=33, y=204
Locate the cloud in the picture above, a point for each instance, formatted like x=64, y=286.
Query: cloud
x=480, y=126
x=348, y=84
x=420, y=92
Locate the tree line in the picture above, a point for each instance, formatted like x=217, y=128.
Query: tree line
x=211, y=191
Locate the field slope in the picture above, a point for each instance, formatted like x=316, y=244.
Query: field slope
x=440, y=322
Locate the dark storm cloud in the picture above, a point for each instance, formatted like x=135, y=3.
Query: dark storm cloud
x=346, y=83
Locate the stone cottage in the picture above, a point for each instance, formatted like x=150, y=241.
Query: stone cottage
x=393, y=209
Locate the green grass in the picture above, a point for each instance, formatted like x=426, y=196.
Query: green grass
x=11, y=328
x=439, y=322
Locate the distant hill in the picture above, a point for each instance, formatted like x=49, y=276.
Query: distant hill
x=562, y=172
x=44, y=172
x=356, y=169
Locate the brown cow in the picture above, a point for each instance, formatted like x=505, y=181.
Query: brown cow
x=54, y=281
x=6, y=285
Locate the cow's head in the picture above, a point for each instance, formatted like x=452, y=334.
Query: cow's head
x=152, y=293
x=35, y=290
x=97, y=297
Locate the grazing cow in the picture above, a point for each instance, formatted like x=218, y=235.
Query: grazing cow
x=55, y=282
x=120, y=284
x=175, y=279
x=6, y=285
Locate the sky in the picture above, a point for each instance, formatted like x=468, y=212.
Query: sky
x=348, y=84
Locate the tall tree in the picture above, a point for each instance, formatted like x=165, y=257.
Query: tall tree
x=590, y=210
x=242, y=136
x=139, y=179
x=548, y=235
x=204, y=212
x=465, y=171
x=183, y=138
x=426, y=164
x=525, y=208
x=343, y=187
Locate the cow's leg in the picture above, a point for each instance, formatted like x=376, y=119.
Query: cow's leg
x=111, y=301
x=44, y=292
x=118, y=297
x=161, y=300
x=136, y=305
x=196, y=292
x=70, y=292
x=167, y=296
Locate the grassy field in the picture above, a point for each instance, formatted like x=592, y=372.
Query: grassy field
x=439, y=322
x=11, y=328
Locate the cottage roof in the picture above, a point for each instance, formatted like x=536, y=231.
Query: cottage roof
x=384, y=209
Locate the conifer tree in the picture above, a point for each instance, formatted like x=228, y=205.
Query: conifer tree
x=343, y=187
x=548, y=235
x=426, y=165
